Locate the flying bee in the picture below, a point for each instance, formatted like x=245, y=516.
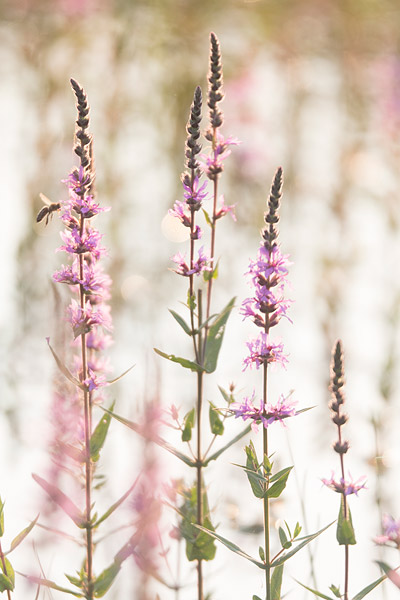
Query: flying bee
x=47, y=210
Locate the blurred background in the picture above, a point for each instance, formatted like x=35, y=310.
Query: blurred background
x=312, y=85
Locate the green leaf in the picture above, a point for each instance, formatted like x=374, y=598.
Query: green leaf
x=303, y=542
x=22, y=535
x=228, y=445
x=297, y=530
x=315, y=592
x=256, y=597
x=64, y=370
x=215, y=336
x=276, y=583
x=261, y=553
x=184, y=362
x=53, y=586
x=254, y=473
x=74, y=580
x=335, y=590
x=116, y=504
x=276, y=489
x=207, y=217
x=158, y=440
x=62, y=500
x=374, y=584
x=99, y=435
x=199, y=544
x=227, y=397
x=345, y=532
x=1, y=518
x=216, y=424
x=286, y=544
x=191, y=301
x=188, y=425
x=111, y=381
x=7, y=576
x=232, y=547
x=105, y=580
x=181, y=322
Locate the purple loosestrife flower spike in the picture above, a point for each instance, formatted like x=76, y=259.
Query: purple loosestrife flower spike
x=268, y=277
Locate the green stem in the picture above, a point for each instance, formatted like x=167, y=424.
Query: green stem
x=266, y=500
x=199, y=482
x=87, y=410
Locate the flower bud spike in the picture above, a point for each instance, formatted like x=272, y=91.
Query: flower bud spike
x=215, y=94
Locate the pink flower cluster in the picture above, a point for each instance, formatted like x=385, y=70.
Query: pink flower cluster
x=267, y=305
x=212, y=163
x=343, y=486
x=266, y=413
x=391, y=531
x=89, y=313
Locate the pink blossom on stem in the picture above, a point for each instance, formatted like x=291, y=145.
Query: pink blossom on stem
x=266, y=413
x=343, y=486
x=201, y=264
x=261, y=352
x=224, y=209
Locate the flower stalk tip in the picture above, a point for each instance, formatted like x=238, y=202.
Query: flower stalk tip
x=215, y=93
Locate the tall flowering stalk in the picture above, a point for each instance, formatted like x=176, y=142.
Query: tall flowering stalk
x=206, y=333
x=265, y=307
x=343, y=486
x=89, y=317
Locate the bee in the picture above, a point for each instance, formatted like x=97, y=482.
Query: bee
x=47, y=210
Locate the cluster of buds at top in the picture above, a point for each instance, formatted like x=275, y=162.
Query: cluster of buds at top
x=215, y=94
x=211, y=164
x=338, y=417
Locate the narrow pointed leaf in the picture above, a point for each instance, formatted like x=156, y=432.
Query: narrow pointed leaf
x=374, y=584
x=256, y=597
x=199, y=545
x=228, y=445
x=315, y=592
x=227, y=397
x=231, y=546
x=335, y=590
x=50, y=584
x=116, y=504
x=216, y=424
x=64, y=370
x=261, y=553
x=297, y=530
x=285, y=543
x=1, y=518
x=306, y=540
x=345, y=532
x=276, y=583
x=276, y=489
x=188, y=425
x=184, y=362
x=111, y=381
x=105, y=580
x=181, y=322
x=7, y=575
x=157, y=440
x=22, y=535
x=215, y=336
x=99, y=435
x=62, y=500
x=207, y=217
